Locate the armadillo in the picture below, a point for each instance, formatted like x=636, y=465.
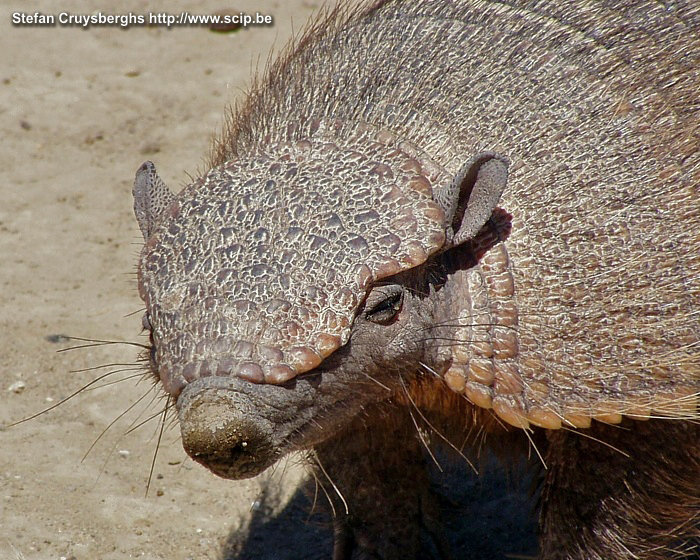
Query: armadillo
x=470, y=219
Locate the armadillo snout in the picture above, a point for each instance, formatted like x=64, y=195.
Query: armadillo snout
x=217, y=433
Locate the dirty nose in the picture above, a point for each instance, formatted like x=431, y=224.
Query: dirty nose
x=220, y=433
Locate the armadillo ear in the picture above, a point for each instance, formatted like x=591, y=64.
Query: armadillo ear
x=151, y=198
x=474, y=194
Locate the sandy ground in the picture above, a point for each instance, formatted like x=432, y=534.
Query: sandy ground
x=80, y=110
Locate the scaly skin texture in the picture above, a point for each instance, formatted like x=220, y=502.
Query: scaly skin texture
x=468, y=217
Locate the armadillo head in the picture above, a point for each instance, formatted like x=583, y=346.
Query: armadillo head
x=286, y=291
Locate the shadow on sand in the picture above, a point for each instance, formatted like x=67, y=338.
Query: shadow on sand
x=487, y=517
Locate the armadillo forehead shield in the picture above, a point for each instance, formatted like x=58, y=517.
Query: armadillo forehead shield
x=260, y=265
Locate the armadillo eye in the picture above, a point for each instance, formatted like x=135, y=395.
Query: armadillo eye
x=384, y=304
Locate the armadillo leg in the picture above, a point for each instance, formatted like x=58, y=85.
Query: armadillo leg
x=376, y=478
x=623, y=492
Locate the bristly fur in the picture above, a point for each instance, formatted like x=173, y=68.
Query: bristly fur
x=238, y=128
